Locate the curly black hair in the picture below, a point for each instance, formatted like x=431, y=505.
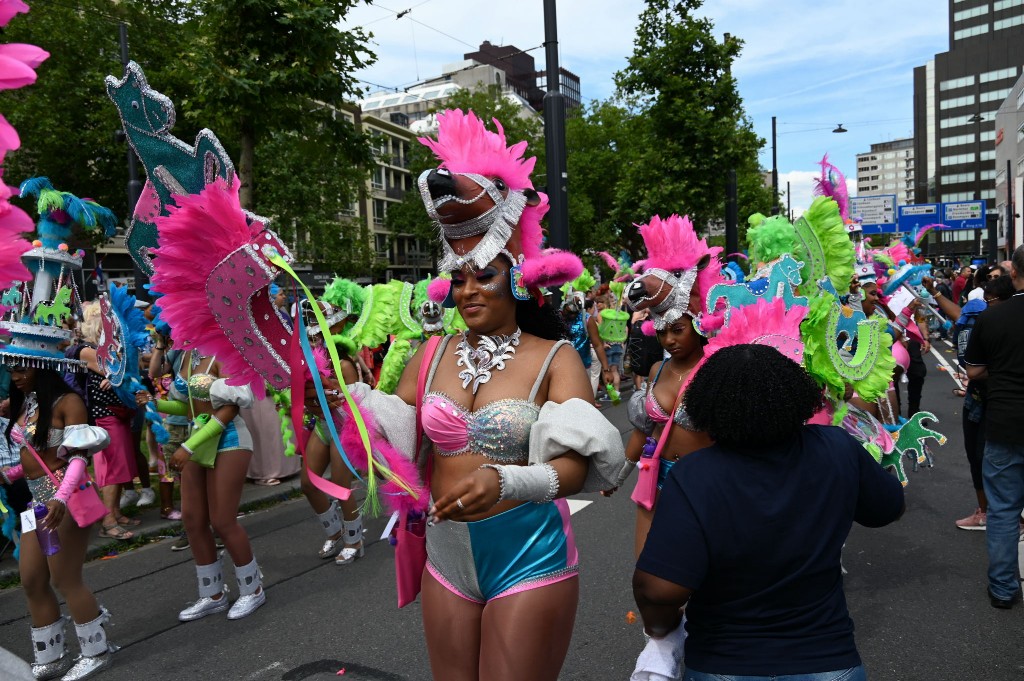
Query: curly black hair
x=542, y=321
x=1001, y=288
x=750, y=397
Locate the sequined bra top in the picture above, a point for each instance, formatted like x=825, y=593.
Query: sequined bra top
x=499, y=430
x=658, y=414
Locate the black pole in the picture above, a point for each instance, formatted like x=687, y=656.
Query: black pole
x=1009, y=225
x=134, y=184
x=993, y=242
x=554, y=136
x=789, y=203
x=732, y=237
x=775, y=172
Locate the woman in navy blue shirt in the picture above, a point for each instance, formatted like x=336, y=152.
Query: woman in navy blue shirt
x=748, y=532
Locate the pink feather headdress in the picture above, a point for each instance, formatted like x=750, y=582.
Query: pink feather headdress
x=680, y=260
x=832, y=184
x=498, y=173
x=761, y=323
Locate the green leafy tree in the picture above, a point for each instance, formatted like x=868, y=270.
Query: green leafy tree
x=599, y=149
x=409, y=217
x=688, y=125
x=65, y=120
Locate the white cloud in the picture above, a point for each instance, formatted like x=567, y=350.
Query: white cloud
x=801, y=187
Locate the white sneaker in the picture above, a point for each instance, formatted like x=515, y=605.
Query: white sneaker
x=147, y=497
x=128, y=498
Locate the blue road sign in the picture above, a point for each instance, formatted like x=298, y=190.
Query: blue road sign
x=918, y=216
x=877, y=214
x=964, y=215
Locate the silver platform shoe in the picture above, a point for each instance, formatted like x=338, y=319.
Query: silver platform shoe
x=97, y=651
x=250, y=589
x=353, y=538
x=51, y=651
x=211, y=583
x=330, y=520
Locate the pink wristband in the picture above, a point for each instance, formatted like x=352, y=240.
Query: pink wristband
x=72, y=476
x=14, y=473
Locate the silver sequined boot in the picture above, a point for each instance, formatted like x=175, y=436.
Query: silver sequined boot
x=330, y=520
x=250, y=591
x=97, y=652
x=51, y=651
x=211, y=583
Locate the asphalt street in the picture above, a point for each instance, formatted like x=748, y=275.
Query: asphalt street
x=916, y=591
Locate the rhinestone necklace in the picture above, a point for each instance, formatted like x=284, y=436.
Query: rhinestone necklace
x=489, y=355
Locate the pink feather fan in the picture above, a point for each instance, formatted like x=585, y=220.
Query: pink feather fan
x=673, y=245
x=185, y=235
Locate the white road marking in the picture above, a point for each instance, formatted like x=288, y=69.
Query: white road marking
x=577, y=505
x=950, y=371
x=947, y=342
x=261, y=672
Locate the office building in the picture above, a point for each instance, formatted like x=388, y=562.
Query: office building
x=956, y=97
x=888, y=169
x=1009, y=188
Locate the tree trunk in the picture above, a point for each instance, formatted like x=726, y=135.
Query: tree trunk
x=246, y=160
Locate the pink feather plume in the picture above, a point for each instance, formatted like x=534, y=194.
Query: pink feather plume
x=832, y=184
x=202, y=228
x=612, y=262
x=764, y=322
x=673, y=245
x=648, y=328
x=465, y=145
x=437, y=289
x=392, y=495
x=898, y=251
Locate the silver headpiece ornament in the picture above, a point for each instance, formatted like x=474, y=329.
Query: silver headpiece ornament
x=496, y=223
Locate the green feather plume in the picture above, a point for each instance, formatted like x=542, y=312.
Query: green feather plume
x=826, y=247
x=582, y=283
x=345, y=294
x=391, y=370
x=771, y=239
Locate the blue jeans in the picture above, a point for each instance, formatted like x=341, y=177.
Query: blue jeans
x=852, y=674
x=1003, y=473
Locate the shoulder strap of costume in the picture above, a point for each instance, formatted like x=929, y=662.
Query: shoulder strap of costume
x=544, y=368
x=426, y=366
x=442, y=344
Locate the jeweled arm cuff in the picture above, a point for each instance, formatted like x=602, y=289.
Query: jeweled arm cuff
x=537, y=483
x=13, y=473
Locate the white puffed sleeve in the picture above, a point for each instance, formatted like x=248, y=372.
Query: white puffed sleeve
x=222, y=394
x=577, y=426
x=83, y=440
x=636, y=410
x=395, y=420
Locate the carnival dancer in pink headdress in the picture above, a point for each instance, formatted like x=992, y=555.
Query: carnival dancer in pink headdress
x=507, y=409
x=679, y=270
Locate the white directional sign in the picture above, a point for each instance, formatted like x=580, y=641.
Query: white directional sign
x=876, y=213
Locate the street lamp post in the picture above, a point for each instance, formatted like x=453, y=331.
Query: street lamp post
x=775, y=170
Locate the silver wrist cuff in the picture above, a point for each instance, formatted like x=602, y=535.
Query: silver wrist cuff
x=538, y=483
x=625, y=472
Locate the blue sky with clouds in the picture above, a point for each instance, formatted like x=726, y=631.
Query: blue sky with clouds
x=810, y=64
